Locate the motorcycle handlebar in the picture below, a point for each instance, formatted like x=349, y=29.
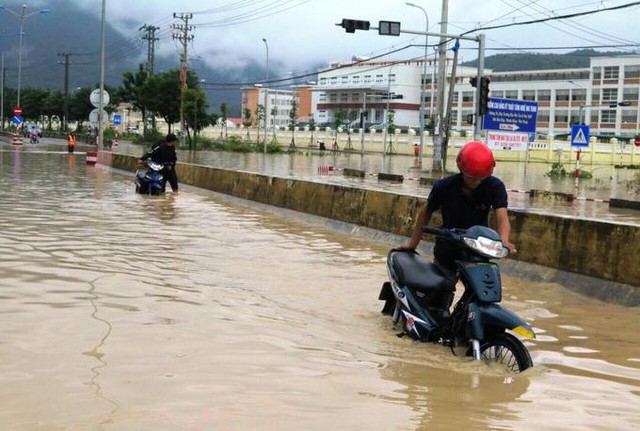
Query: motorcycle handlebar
x=434, y=231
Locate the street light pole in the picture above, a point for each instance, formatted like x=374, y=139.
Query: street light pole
x=422, y=82
x=266, y=100
x=22, y=17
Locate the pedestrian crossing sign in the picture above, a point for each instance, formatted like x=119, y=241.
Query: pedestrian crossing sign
x=580, y=135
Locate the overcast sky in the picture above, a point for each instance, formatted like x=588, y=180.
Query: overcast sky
x=302, y=33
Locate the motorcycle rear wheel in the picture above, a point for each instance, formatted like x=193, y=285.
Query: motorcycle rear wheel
x=507, y=351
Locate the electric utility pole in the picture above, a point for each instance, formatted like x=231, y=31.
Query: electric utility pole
x=442, y=76
x=182, y=35
x=66, y=56
x=150, y=37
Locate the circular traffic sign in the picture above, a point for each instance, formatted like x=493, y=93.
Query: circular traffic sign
x=94, y=98
x=17, y=111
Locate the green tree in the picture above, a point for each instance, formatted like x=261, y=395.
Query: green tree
x=162, y=96
x=293, y=120
x=259, y=118
x=223, y=119
x=247, y=120
x=133, y=85
x=195, y=109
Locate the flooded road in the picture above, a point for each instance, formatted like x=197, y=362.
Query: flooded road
x=519, y=177
x=199, y=311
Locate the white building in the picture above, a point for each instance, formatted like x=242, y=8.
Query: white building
x=606, y=94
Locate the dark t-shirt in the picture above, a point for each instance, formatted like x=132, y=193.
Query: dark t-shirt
x=161, y=153
x=460, y=211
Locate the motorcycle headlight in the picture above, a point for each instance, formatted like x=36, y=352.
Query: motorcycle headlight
x=487, y=247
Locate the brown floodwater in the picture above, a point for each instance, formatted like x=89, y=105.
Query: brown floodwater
x=198, y=311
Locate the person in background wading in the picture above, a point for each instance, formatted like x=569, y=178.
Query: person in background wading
x=165, y=153
x=464, y=199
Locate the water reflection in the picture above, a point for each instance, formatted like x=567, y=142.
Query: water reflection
x=480, y=400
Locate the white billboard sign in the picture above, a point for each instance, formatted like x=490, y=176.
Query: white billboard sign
x=507, y=141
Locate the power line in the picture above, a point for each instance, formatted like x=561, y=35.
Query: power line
x=536, y=21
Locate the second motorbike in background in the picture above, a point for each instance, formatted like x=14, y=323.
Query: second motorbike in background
x=150, y=179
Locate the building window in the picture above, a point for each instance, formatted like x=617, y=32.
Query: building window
x=543, y=117
x=455, y=97
x=333, y=97
x=467, y=96
x=511, y=94
x=355, y=97
x=498, y=93
x=344, y=97
x=597, y=72
x=392, y=77
x=544, y=95
x=344, y=80
x=379, y=78
x=629, y=116
x=356, y=79
x=630, y=93
x=367, y=79
x=561, y=117
x=334, y=80
x=323, y=81
x=632, y=71
x=609, y=94
x=579, y=95
x=608, y=117
x=378, y=116
x=562, y=95
x=323, y=97
x=529, y=95
x=611, y=72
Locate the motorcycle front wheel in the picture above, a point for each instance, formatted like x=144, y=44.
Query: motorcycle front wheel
x=506, y=351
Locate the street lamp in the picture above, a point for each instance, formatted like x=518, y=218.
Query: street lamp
x=266, y=100
x=22, y=17
x=422, y=79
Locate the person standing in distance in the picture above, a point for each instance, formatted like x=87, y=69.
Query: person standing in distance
x=165, y=153
x=464, y=200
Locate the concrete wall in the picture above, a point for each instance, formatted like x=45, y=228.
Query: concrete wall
x=604, y=250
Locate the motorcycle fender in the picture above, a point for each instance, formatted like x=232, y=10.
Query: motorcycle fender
x=386, y=293
x=483, y=315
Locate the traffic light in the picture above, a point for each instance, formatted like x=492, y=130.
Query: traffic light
x=484, y=95
x=351, y=25
x=473, y=81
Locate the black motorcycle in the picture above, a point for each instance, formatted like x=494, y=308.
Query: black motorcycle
x=150, y=180
x=420, y=294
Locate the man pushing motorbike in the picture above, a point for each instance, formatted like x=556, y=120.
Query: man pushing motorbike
x=165, y=153
x=464, y=200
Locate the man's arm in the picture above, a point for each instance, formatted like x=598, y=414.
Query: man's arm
x=423, y=219
x=504, y=228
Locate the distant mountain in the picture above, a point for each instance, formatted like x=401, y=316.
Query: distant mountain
x=70, y=30
x=514, y=62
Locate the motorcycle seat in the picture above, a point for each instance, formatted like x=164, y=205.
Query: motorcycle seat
x=415, y=272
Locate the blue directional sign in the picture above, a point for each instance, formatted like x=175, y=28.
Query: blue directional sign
x=510, y=115
x=17, y=119
x=579, y=135
x=116, y=119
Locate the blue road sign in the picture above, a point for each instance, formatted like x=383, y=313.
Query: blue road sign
x=509, y=115
x=579, y=135
x=17, y=119
x=116, y=119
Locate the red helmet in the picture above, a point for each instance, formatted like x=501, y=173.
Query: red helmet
x=476, y=160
